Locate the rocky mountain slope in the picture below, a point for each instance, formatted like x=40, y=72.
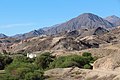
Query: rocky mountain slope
x=81, y=74
x=114, y=20
x=30, y=34
x=70, y=41
x=3, y=35
x=74, y=40
x=5, y=43
x=86, y=20
x=83, y=21
x=78, y=39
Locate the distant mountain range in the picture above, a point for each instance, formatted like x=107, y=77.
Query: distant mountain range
x=83, y=21
x=3, y=35
x=33, y=33
x=114, y=20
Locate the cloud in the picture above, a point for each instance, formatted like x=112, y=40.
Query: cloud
x=15, y=25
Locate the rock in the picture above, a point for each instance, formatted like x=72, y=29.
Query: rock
x=111, y=62
x=81, y=74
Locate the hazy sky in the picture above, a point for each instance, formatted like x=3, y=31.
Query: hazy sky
x=20, y=16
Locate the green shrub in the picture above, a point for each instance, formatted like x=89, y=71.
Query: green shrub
x=57, y=62
x=4, y=61
x=69, y=64
x=37, y=75
x=87, y=66
x=19, y=70
x=7, y=77
x=23, y=59
x=86, y=54
x=73, y=60
x=44, y=60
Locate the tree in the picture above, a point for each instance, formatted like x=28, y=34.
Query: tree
x=4, y=61
x=44, y=60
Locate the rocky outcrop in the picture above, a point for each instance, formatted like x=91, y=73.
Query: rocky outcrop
x=100, y=52
x=80, y=74
x=111, y=62
x=86, y=32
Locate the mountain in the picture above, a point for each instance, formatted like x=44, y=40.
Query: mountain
x=86, y=20
x=73, y=40
x=3, y=35
x=87, y=32
x=47, y=28
x=83, y=21
x=114, y=20
x=70, y=41
x=33, y=33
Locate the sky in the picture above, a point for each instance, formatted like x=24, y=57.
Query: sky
x=21, y=16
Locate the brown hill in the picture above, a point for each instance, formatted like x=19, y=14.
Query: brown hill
x=71, y=41
x=51, y=43
x=81, y=74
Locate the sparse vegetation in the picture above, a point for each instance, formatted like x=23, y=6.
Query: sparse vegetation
x=21, y=67
x=73, y=60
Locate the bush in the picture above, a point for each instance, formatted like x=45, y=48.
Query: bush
x=73, y=60
x=69, y=64
x=7, y=77
x=86, y=54
x=20, y=67
x=57, y=62
x=19, y=70
x=23, y=59
x=37, y=75
x=87, y=66
x=44, y=60
x=4, y=61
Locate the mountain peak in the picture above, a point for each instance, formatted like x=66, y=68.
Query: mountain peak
x=85, y=20
x=113, y=16
x=114, y=20
x=85, y=15
x=88, y=14
x=3, y=35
